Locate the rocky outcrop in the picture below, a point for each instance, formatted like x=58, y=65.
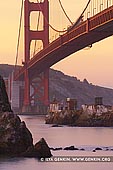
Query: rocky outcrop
x=4, y=102
x=79, y=118
x=42, y=149
x=15, y=137
x=70, y=148
x=67, y=117
x=39, y=150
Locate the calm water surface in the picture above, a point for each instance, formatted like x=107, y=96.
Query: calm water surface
x=87, y=138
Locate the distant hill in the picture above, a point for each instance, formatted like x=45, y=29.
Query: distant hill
x=6, y=69
x=63, y=86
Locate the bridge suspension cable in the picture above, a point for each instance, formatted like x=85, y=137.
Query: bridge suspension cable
x=72, y=25
x=59, y=31
x=80, y=17
x=65, y=12
x=18, y=41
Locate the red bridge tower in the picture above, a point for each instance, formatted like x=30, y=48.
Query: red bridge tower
x=43, y=78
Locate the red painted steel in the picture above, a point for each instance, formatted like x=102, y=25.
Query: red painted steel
x=35, y=35
x=39, y=94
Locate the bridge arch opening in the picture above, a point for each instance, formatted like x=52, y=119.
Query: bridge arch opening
x=36, y=1
x=35, y=47
x=36, y=21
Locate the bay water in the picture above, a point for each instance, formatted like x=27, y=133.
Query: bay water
x=86, y=139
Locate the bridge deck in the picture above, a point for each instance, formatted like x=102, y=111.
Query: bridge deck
x=88, y=32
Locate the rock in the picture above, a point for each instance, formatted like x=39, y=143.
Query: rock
x=56, y=149
x=82, y=149
x=55, y=125
x=16, y=139
x=39, y=150
x=42, y=149
x=30, y=153
x=107, y=149
x=15, y=136
x=80, y=119
x=99, y=149
x=94, y=150
x=76, y=149
x=69, y=148
x=4, y=102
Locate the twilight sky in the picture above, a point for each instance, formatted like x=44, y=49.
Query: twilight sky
x=95, y=64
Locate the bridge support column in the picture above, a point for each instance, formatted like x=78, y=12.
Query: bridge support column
x=27, y=106
x=35, y=35
x=39, y=93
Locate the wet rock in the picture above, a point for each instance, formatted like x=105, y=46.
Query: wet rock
x=99, y=149
x=94, y=150
x=70, y=148
x=30, y=152
x=4, y=102
x=107, y=149
x=15, y=136
x=76, y=149
x=39, y=150
x=82, y=149
x=16, y=139
x=56, y=125
x=42, y=149
x=56, y=149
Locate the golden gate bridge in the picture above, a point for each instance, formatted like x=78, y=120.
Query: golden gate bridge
x=94, y=24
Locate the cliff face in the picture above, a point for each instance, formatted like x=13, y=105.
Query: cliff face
x=6, y=69
x=63, y=86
